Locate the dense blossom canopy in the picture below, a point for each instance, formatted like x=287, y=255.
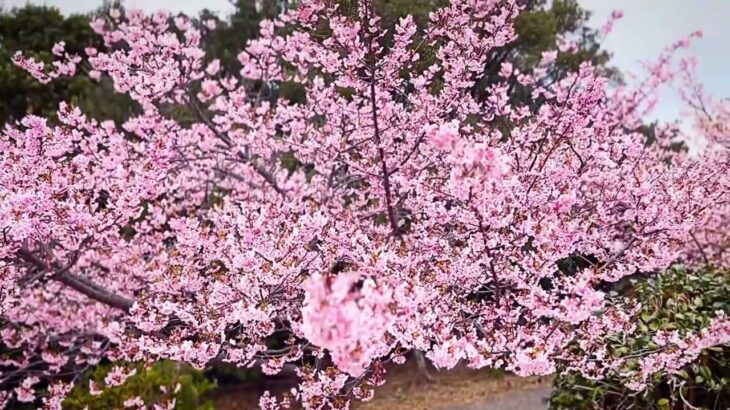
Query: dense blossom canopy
x=392, y=209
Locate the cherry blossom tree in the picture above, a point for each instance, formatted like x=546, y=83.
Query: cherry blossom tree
x=391, y=210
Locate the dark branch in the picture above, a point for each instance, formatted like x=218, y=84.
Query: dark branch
x=266, y=175
x=76, y=282
x=381, y=152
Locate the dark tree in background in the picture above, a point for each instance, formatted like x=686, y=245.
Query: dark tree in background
x=538, y=28
x=229, y=37
x=36, y=28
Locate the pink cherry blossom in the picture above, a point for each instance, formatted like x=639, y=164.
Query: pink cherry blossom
x=392, y=209
x=24, y=392
x=134, y=402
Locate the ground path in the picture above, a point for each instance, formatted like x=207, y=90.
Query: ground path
x=531, y=398
x=459, y=389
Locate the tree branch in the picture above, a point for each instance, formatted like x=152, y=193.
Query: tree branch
x=266, y=175
x=699, y=247
x=381, y=152
x=618, y=254
x=76, y=282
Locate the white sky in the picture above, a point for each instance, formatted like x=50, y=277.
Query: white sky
x=647, y=27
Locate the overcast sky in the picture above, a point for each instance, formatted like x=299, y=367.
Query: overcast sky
x=647, y=27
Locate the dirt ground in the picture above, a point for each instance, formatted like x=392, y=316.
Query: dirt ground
x=529, y=398
x=456, y=389
x=406, y=389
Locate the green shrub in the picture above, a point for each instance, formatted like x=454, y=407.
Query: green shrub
x=155, y=383
x=675, y=300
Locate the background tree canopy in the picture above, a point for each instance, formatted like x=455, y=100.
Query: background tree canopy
x=35, y=29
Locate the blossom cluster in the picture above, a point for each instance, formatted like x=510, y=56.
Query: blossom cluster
x=411, y=218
